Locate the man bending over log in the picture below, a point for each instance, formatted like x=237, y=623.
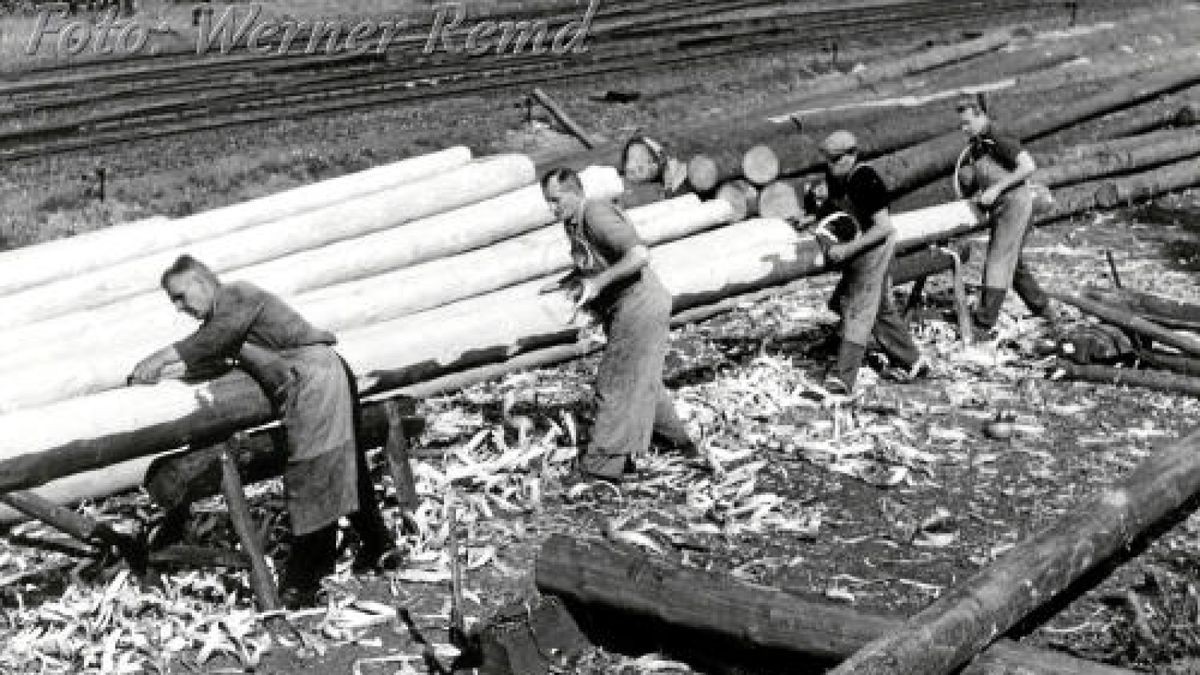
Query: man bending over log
x=326, y=476
x=999, y=169
x=613, y=279
x=856, y=234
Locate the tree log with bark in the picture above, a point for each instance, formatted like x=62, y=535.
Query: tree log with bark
x=614, y=591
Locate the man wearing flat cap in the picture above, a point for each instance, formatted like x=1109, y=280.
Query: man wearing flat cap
x=856, y=234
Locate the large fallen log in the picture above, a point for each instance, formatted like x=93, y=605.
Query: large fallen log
x=1172, y=111
x=1149, y=183
x=637, y=595
x=376, y=211
x=94, y=431
x=1130, y=321
x=364, y=302
x=1066, y=558
x=34, y=265
x=1081, y=152
x=1158, y=380
x=1123, y=156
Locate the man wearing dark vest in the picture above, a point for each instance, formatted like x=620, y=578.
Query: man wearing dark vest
x=1000, y=168
x=615, y=282
x=856, y=235
x=312, y=389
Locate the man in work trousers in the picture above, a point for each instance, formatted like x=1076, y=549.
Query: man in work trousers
x=999, y=170
x=856, y=234
x=617, y=284
x=326, y=475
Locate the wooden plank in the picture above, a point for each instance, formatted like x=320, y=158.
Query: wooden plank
x=261, y=579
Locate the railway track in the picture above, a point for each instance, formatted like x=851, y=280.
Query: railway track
x=646, y=35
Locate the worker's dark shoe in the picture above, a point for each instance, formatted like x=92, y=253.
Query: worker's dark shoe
x=845, y=371
x=987, y=312
x=611, y=468
x=375, y=559
x=918, y=370
x=296, y=597
x=826, y=348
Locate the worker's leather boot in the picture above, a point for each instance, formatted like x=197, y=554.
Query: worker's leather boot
x=312, y=557
x=987, y=313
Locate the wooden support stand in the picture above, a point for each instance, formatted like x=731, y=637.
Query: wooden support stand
x=79, y=526
x=176, y=480
x=399, y=463
x=261, y=580
x=918, y=266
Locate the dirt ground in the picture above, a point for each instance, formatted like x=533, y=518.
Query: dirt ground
x=882, y=511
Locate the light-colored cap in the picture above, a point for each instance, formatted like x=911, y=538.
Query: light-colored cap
x=839, y=142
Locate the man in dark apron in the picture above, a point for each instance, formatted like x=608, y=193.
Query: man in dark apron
x=856, y=234
x=617, y=284
x=1000, y=169
x=326, y=476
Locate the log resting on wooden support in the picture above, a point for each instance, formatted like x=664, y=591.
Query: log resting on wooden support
x=633, y=601
x=1039, y=575
x=261, y=579
x=177, y=479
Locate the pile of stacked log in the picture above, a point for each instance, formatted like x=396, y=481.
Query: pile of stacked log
x=760, y=162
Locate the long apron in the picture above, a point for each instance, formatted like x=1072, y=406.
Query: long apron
x=320, y=479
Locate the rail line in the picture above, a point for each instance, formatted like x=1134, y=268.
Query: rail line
x=276, y=89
